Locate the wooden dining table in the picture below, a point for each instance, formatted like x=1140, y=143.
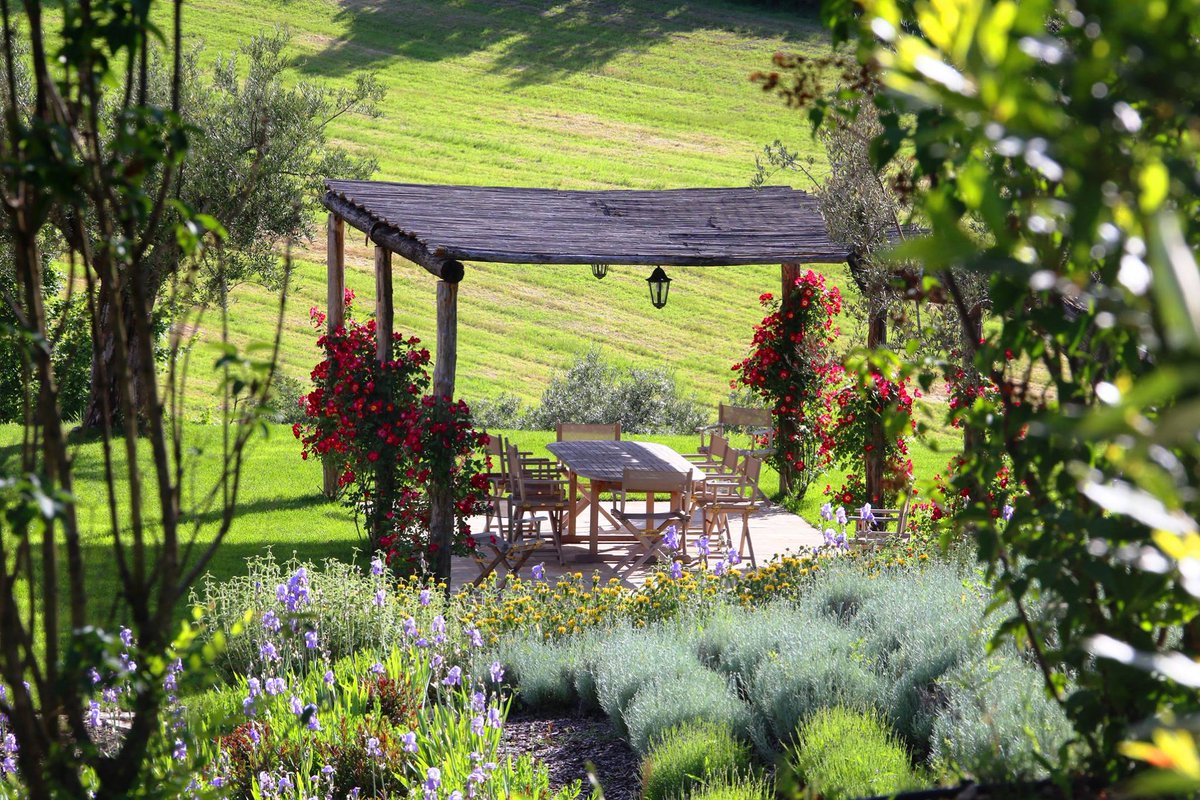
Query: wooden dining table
x=603, y=464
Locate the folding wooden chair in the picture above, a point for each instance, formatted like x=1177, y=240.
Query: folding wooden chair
x=497, y=476
x=650, y=528
x=581, y=432
x=492, y=551
x=536, y=485
x=883, y=525
x=712, y=460
x=720, y=498
x=756, y=422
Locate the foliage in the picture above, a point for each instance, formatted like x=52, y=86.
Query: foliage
x=665, y=702
x=1052, y=130
x=92, y=167
x=390, y=439
x=733, y=788
x=643, y=400
x=631, y=660
x=998, y=724
x=843, y=753
x=689, y=756
x=874, y=410
x=791, y=367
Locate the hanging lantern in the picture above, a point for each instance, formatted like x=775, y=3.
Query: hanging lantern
x=660, y=287
x=599, y=270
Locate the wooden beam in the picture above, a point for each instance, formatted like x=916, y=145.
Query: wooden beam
x=383, y=304
x=335, y=305
x=441, y=511
x=393, y=239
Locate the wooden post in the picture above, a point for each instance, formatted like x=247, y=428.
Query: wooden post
x=385, y=470
x=335, y=304
x=383, y=304
x=789, y=273
x=441, y=511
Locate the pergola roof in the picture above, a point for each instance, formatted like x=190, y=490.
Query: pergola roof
x=437, y=226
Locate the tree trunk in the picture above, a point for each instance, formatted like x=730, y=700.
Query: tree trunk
x=873, y=458
x=105, y=395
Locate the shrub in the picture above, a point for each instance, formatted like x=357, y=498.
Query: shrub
x=540, y=670
x=843, y=753
x=633, y=658
x=724, y=787
x=822, y=669
x=690, y=754
x=594, y=391
x=998, y=724
x=502, y=411
x=669, y=701
x=348, y=611
x=736, y=642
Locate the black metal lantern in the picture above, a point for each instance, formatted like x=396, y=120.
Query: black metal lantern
x=599, y=270
x=660, y=287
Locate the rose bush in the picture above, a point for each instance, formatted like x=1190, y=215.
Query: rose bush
x=791, y=367
x=388, y=437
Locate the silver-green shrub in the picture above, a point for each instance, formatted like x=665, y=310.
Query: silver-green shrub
x=666, y=702
x=632, y=658
x=735, y=641
x=822, y=669
x=998, y=724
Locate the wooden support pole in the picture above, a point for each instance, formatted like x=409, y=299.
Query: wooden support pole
x=789, y=272
x=335, y=304
x=385, y=469
x=383, y=304
x=441, y=511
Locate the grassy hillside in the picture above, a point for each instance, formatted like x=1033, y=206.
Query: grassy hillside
x=577, y=94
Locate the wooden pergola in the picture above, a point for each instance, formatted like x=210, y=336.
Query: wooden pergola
x=440, y=228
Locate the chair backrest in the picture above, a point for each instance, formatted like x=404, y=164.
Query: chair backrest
x=717, y=448
x=497, y=452
x=729, y=462
x=578, y=431
x=751, y=471
x=653, y=481
x=743, y=417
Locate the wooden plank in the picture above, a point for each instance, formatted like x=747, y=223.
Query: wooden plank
x=384, y=318
x=335, y=305
x=382, y=234
x=441, y=511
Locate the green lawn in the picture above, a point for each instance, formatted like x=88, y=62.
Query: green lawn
x=579, y=94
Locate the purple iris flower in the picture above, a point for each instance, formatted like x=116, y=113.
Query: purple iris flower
x=493, y=718
x=453, y=677
x=94, y=714
x=477, y=725
x=381, y=598
x=410, y=627
x=328, y=677
x=497, y=672
x=310, y=640
x=424, y=597
x=676, y=570
x=373, y=747
x=702, y=546
x=408, y=741
x=478, y=701
x=719, y=568
x=180, y=751
x=867, y=516
x=539, y=572
x=827, y=512
x=1007, y=512
x=671, y=538
x=840, y=516
x=377, y=668
x=438, y=625
x=476, y=639
x=126, y=637
x=377, y=566
x=433, y=780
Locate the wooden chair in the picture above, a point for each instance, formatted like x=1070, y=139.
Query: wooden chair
x=712, y=460
x=497, y=476
x=755, y=421
x=650, y=528
x=577, y=431
x=721, y=498
x=536, y=485
x=492, y=551
x=885, y=524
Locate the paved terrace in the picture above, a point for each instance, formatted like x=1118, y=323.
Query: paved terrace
x=773, y=530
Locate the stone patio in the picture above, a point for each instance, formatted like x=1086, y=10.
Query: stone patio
x=773, y=530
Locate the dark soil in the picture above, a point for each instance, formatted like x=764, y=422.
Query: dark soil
x=566, y=743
